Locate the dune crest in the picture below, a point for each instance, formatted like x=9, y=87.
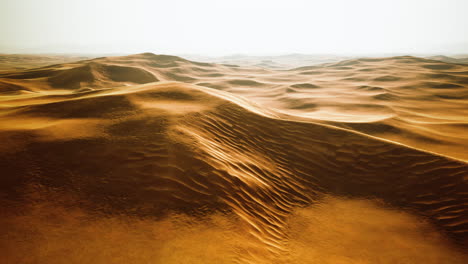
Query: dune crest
x=145, y=136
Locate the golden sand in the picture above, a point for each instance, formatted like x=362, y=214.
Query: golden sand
x=157, y=159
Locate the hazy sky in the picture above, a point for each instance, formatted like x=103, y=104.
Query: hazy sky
x=217, y=27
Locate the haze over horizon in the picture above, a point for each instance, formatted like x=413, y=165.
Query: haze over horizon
x=217, y=28
x=234, y=132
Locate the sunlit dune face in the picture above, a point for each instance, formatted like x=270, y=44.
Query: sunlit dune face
x=51, y=129
x=173, y=107
x=344, y=116
x=362, y=231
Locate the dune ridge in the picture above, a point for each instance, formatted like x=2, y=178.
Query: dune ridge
x=145, y=135
x=404, y=99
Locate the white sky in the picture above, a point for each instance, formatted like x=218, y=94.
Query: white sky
x=217, y=27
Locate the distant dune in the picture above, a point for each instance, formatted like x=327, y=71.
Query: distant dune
x=265, y=154
x=463, y=59
x=9, y=62
x=271, y=62
x=417, y=102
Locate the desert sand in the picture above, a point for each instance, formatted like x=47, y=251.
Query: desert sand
x=158, y=159
x=12, y=62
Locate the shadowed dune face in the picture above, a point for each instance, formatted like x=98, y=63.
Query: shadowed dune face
x=289, y=183
x=332, y=231
x=91, y=74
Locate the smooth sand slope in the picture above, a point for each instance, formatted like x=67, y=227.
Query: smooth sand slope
x=149, y=142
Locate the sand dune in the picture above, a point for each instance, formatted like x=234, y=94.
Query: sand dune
x=414, y=99
x=453, y=59
x=149, y=136
x=10, y=62
x=271, y=62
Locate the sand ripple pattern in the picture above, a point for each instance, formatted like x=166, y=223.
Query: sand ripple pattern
x=168, y=146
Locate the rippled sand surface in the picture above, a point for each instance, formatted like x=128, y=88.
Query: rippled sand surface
x=157, y=159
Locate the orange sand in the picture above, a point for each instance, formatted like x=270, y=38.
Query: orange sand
x=361, y=161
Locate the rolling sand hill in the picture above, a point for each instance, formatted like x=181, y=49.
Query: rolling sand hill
x=10, y=62
x=463, y=59
x=360, y=161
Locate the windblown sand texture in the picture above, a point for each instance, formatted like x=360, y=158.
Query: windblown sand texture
x=360, y=161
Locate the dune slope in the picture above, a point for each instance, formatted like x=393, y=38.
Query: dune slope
x=174, y=146
x=418, y=102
